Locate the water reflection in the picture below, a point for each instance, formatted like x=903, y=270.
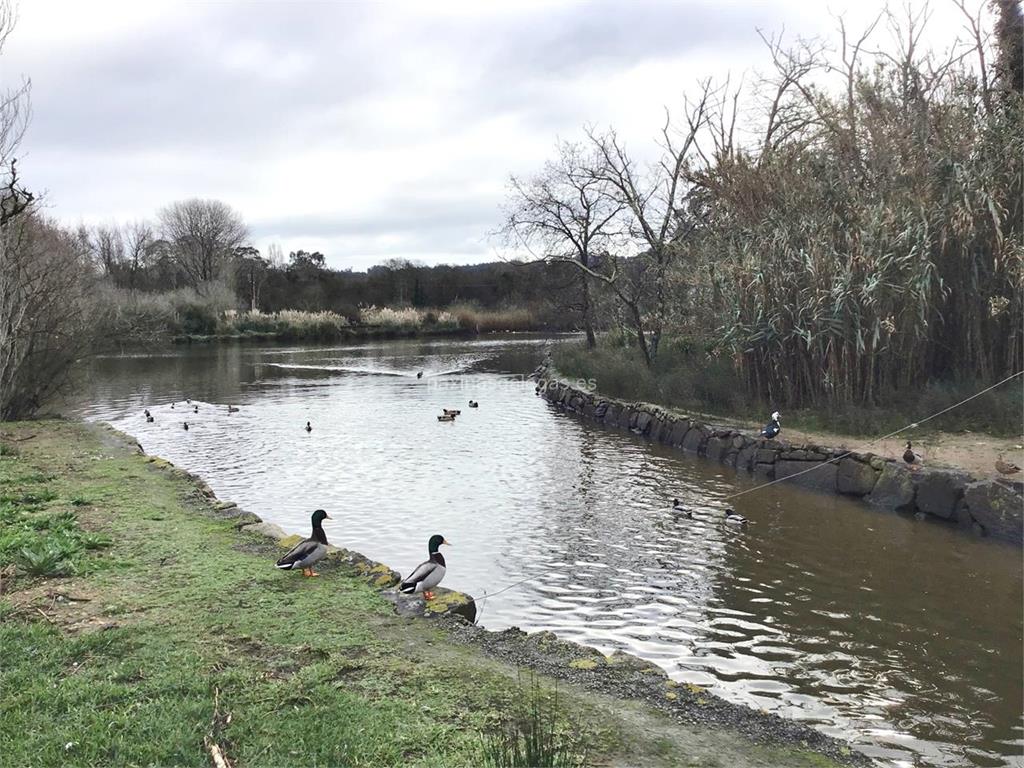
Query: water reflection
x=902, y=635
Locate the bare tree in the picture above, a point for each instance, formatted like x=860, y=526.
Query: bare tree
x=252, y=270
x=107, y=249
x=566, y=214
x=656, y=202
x=15, y=112
x=139, y=247
x=44, y=307
x=204, y=235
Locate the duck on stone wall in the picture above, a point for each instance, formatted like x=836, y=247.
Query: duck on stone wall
x=772, y=428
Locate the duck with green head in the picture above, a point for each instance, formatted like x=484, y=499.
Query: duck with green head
x=429, y=573
x=308, y=551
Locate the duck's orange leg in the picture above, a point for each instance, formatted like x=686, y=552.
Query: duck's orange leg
x=427, y=595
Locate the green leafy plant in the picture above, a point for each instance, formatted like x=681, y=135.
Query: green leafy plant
x=532, y=733
x=46, y=558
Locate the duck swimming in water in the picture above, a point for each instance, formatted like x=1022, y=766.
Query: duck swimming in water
x=446, y=417
x=232, y=409
x=419, y=375
x=735, y=518
x=309, y=427
x=186, y=426
x=772, y=428
x=429, y=573
x=474, y=404
x=308, y=551
x=450, y=412
x=680, y=509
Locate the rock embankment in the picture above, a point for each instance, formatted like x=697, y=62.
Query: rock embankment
x=993, y=508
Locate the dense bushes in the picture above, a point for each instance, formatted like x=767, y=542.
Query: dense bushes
x=129, y=318
x=688, y=377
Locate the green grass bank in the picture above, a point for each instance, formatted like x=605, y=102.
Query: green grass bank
x=139, y=627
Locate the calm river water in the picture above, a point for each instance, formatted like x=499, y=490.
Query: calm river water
x=900, y=635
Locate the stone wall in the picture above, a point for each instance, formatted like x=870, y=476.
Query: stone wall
x=990, y=507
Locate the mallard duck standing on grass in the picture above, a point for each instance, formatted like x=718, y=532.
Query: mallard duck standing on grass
x=308, y=551
x=429, y=573
x=909, y=456
x=680, y=509
x=772, y=428
x=1004, y=467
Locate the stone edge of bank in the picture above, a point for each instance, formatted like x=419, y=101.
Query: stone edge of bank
x=993, y=508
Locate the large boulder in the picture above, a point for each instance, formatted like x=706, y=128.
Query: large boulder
x=718, y=448
x=817, y=476
x=894, y=488
x=679, y=430
x=643, y=422
x=446, y=602
x=611, y=414
x=626, y=416
x=694, y=440
x=745, y=457
x=855, y=478
x=939, y=491
x=267, y=530
x=997, y=508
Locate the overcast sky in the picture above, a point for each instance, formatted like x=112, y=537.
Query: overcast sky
x=367, y=131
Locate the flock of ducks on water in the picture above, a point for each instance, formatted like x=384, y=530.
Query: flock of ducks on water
x=428, y=574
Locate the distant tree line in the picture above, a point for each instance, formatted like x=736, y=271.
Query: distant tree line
x=204, y=245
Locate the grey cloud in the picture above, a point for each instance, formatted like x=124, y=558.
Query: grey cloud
x=169, y=89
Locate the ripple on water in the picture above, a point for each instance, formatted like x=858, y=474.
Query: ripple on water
x=902, y=637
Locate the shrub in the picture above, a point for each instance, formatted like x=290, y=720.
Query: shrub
x=530, y=733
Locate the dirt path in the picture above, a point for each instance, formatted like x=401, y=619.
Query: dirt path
x=976, y=453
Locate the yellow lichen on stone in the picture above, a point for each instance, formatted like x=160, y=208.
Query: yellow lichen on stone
x=694, y=688
x=383, y=580
x=290, y=541
x=670, y=696
x=583, y=664
x=702, y=700
x=445, y=601
x=671, y=684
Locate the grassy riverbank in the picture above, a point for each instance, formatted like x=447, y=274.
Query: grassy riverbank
x=169, y=632
x=685, y=377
